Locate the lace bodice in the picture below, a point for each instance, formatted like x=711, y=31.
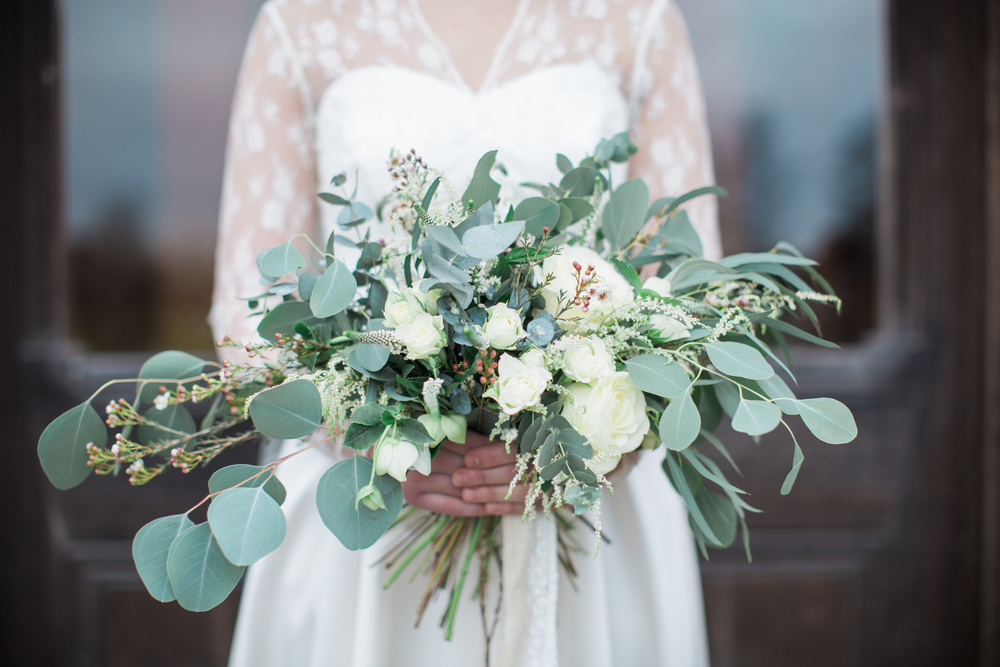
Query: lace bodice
x=300, y=50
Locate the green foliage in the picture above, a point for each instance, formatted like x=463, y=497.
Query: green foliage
x=62, y=447
x=537, y=213
x=354, y=524
x=288, y=411
x=149, y=551
x=248, y=476
x=680, y=423
x=482, y=188
x=282, y=318
x=756, y=417
x=334, y=291
x=625, y=213
x=658, y=375
x=170, y=365
x=628, y=273
x=199, y=572
x=282, y=260
x=172, y=419
x=829, y=420
x=739, y=360
x=247, y=523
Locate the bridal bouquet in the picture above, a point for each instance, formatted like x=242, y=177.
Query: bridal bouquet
x=527, y=320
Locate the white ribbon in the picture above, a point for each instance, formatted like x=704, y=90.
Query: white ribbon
x=530, y=592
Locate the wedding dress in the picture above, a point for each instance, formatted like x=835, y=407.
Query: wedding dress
x=328, y=86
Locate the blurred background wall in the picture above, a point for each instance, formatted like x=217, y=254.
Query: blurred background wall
x=863, y=131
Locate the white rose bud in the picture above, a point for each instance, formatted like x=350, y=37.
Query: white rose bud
x=521, y=381
x=503, y=328
x=450, y=426
x=668, y=328
x=614, y=421
x=424, y=337
x=588, y=360
x=611, y=290
x=394, y=457
x=659, y=285
x=402, y=307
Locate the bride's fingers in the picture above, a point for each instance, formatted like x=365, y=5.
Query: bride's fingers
x=490, y=456
x=473, y=477
x=447, y=462
x=494, y=494
x=417, y=484
x=445, y=504
x=498, y=509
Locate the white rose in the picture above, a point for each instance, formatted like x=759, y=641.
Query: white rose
x=395, y=457
x=429, y=300
x=521, y=382
x=588, y=360
x=614, y=421
x=503, y=328
x=659, y=285
x=668, y=328
x=610, y=290
x=424, y=337
x=402, y=307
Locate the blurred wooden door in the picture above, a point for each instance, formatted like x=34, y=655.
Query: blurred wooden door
x=887, y=551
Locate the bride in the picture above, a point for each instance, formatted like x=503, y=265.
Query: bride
x=328, y=86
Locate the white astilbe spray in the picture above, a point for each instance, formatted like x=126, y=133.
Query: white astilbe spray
x=430, y=391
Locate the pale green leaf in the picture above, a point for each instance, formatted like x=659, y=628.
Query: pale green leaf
x=169, y=365
x=829, y=420
x=282, y=260
x=482, y=188
x=246, y=475
x=756, y=417
x=354, y=524
x=62, y=447
x=174, y=422
x=488, y=241
x=739, y=360
x=199, y=573
x=680, y=423
x=537, y=212
x=625, y=213
x=776, y=389
x=283, y=317
x=247, y=523
x=288, y=411
x=797, y=460
x=149, y=551
x=658, y=375
x=334, y=291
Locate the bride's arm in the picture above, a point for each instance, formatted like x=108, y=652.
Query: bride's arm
x=670, y=125
x=269, y=187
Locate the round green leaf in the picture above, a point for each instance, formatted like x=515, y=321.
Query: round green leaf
x=334, y=291
x=247, y=523
x=756, y=417
x=658, y=375
x=776, y=388
x=372, y=356
x=62, y=447
x=680, y=423
x=354, y=524
x=537, y=212
x=829, y=420
x=170, y=365
x=149, y=551
x=488, y=241
x=282, y=260
x=245, y=475
x=173, y=417
x=739, y=360
x=199, y=573
x=283, y=318
x=288, y=411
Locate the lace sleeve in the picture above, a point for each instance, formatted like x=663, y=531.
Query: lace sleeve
x=669, y=122
x=269, y=186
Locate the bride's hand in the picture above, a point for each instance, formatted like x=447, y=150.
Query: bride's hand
x=467, y=480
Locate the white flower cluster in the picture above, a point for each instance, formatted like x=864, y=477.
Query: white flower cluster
x=414, y=316
x=338, y=392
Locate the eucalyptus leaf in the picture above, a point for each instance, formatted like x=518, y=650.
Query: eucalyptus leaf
x=289, y=411
x=62, y=447
x=829, y=420
x=149, y=551
x=688, y=196
x=353, y=523
x=783, y=397
x=797, y=459
x=247, y=523
x=579, y=208
x=739, y=360
x=249, y=476
x=169, y=365
x=720, y=514
x=658, y=375
x=199, y=572
x=360, y=437
x=369, y=414
x=580, y=181
x=482, y=188
x=676, y=475
x=334, y=290
x=306, y=283
x=373, y=357
x=282, y=260
x=564, y=164
x=446, y=237
x=489, y=241
x=429, y=195
x=537, y=213
x=282, y=318
x=680, y=423
x=173, y=422
x=756, y=417
x=625, y=213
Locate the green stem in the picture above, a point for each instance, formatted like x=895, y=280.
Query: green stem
x=417, y=549
x=456, y=592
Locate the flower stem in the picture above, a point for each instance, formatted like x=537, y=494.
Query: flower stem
x=456, y=592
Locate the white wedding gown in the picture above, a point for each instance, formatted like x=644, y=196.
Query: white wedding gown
x=329, y=86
